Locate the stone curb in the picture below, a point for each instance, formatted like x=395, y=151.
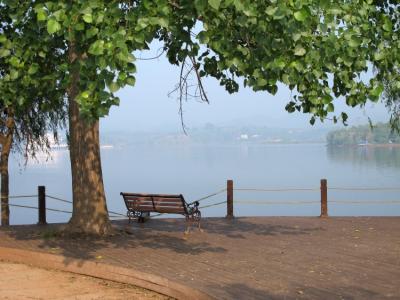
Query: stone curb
x=103, y=271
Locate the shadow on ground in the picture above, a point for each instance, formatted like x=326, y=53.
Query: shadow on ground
x=155, y=234
x=243, y=291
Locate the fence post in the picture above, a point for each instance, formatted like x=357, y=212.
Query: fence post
x=324, y=198
x=229, y=199
x=42, y=205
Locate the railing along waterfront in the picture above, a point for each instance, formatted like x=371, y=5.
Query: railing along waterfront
x=230, y=199
x=323, y=189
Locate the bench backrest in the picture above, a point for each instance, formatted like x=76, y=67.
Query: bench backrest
x=174, y=204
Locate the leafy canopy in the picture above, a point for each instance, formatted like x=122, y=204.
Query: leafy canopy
x=321, y=49
x=29, y=96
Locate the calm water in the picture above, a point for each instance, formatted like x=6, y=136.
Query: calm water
x=195, y=171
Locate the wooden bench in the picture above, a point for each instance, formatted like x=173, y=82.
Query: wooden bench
x=141, y=205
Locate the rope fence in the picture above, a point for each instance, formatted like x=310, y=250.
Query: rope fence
x=20, y=196
x=370, y=189
x=208, y=196
x=34, y=207
x=323, y=189
x=285, y=202
x=366, y=201
x=211, y=205
x=229, y=191
x=278, y=190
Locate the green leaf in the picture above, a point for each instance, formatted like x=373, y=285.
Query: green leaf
x=299, y=50
x=87, y=18
x=79, y=26
x=163, y=22
x=280, y=63
x=214, y=3
x=41, y=15
x=379, y=56
x=297, y=65
x=15, y=62
x=261, y=82
x=354, y=42
x=326, y=99
x=330, y=108
x=53, y=26
x=33, y=69
x=296, y=36
x=131, y=68
x=200, y=5
x=91, y=32
x=4, y=52
x=97, y=48
x=387, y=24
x=271, y=10
x=203, y=37
x=377, y=91
x=301, y=15
x=85, y=94
x=14, y=74
x=113, y=87
x=131, y=80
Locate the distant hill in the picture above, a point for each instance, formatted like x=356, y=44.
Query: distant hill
x=364, y=134
x=211, y=134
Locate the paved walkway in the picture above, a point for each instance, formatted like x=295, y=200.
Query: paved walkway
x=41, y=284
x=247, y=258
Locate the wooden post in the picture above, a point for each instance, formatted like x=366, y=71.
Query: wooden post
x=42, y=205
x=324, y=198
x=229, y=199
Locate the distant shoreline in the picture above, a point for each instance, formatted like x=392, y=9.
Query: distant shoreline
x=368, y=145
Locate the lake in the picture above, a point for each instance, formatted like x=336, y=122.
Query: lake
x=196, y=171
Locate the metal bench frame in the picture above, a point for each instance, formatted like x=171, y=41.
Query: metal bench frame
x=139, y=206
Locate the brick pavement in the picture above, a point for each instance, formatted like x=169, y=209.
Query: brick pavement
x=246, y=258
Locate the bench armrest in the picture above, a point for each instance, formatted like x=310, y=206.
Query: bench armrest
x=192, y=207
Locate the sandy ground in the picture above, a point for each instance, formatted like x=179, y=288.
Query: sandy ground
x=18, y=281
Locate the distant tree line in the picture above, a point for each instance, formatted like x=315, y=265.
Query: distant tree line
x=380, y=133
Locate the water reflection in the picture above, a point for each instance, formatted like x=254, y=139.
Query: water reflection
x=381, y=157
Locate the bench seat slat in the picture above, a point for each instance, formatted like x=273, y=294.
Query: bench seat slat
x=155, y=204
x=158, y=199
x=170, y=210
x=150, y=195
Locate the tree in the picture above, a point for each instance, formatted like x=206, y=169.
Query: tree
x=319, y=48
x=391, y=96
x=29, y=108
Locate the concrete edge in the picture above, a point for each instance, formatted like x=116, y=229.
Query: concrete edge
x=103, y=271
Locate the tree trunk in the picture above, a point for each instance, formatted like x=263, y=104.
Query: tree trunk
x=90, y=215
x=6, y=143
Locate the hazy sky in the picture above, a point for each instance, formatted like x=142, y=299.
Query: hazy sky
x=146, y=106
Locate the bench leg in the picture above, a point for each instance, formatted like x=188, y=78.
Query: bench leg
x=129, y=215
x=199, y=225
x=188, y=225
x=197, y=217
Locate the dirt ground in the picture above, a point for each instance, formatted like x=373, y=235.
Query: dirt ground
x=18, y=281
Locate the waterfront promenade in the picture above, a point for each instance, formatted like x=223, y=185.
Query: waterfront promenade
x=243, y=258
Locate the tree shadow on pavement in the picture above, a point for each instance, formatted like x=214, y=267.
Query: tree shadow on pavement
x=244, y=291
x=157, y=234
